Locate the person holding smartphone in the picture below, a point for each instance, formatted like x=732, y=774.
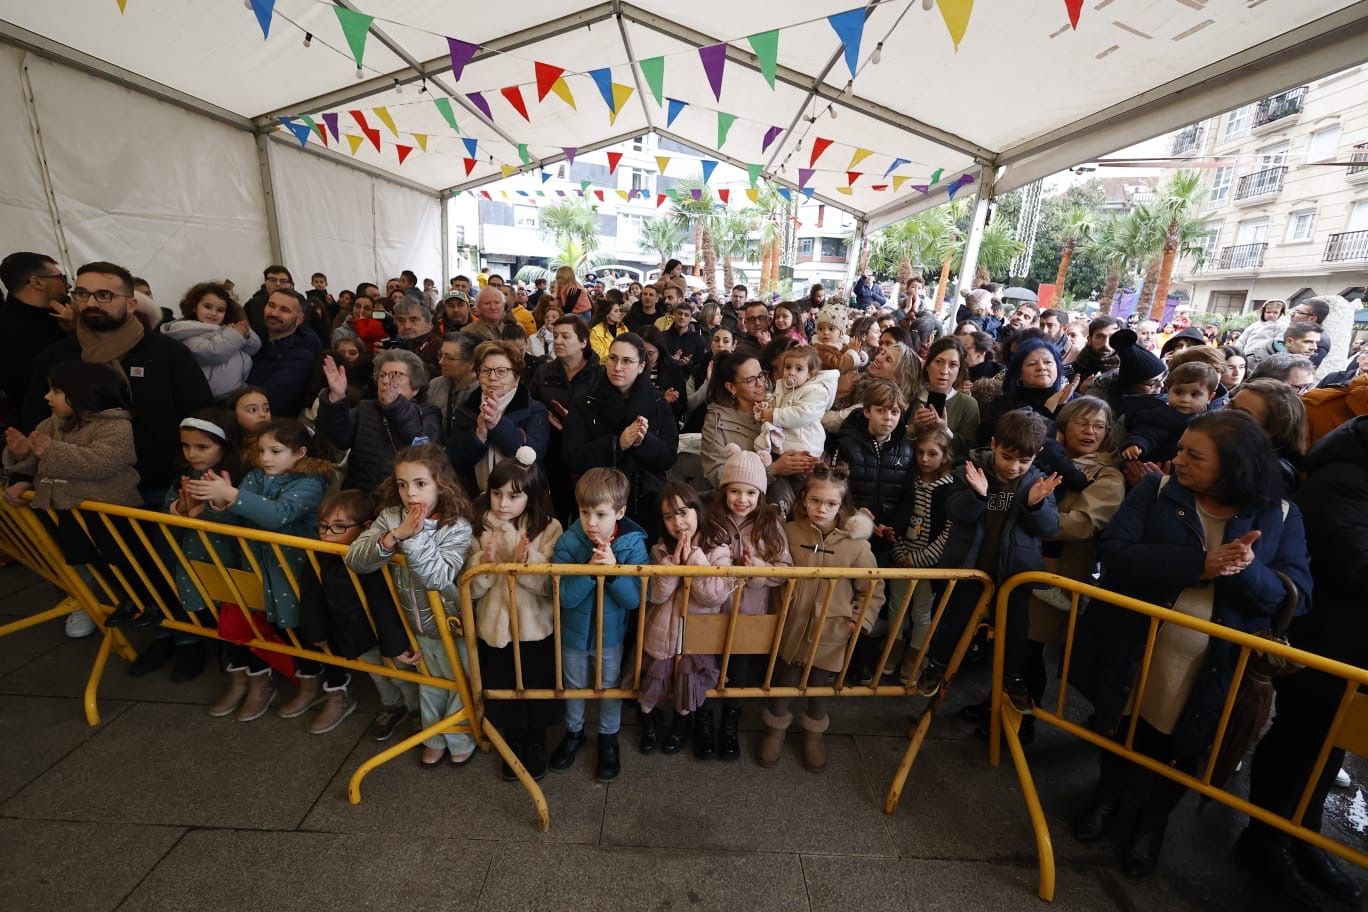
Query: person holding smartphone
x=938, y=401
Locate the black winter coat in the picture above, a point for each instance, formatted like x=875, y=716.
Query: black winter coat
x=374, y=434
x=523, y=424
x=554, y=390
x=1153, y=427
x=330, y=611
x=880, y=474
x=282, y=368
x=1019, y=544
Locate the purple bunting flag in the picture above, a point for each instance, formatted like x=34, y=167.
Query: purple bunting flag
x=461, y=52
x=478, y=100
x=714, y=59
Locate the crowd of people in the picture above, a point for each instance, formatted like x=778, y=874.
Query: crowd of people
x=496, y=423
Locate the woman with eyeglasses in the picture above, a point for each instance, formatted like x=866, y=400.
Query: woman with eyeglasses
x=623, y=422
x=737, y=386
x=495, y=419
x=378, y=428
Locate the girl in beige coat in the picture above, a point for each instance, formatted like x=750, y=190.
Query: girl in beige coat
x=826, y=531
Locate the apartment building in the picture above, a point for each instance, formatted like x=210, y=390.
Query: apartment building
x=1287, y=197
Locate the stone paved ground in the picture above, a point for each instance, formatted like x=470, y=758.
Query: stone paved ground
x=162, y=807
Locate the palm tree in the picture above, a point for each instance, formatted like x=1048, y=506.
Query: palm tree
x=701, y=216
x=1105, y=246
x=663, y=236
x=1079, y=226
x=573, y=220
x=1180, y=198
x=997, y=249
x=767, y=214
x=1124, y=243
x=732, y=239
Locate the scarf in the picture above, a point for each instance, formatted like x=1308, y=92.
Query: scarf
x=108, y=347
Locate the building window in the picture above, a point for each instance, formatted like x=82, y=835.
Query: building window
x=1300, y=225
x=640, y=180
x=525, y=216
x=639, y=144
x=1252, y=231
x=1204, y=248
x=1274, y=156
x=1227, y=302
x=1237, y=122
x=834, y=247
x=1221, y=182
x=805, y=247
x=1322, y=144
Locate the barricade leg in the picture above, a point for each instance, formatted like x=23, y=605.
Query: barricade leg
x=62, y=609
x=458, y=722
x=92, y=687
x=1011, y=722
x=528, y=783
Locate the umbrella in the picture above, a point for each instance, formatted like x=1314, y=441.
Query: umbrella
x=1019, y=294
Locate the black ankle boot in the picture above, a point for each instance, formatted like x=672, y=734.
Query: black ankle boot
x=703, y=738
x=729, y=741
x=157, y=654
x=564, y=756
x=1319, y=868
x=650, y=731
x=680, y=726
x=1269, y=856
x=514, y=740
x=609, y=764
x=189, y=661
x=1092, y=824
x=123, y=615
x=534, y=754
x=1142, y=855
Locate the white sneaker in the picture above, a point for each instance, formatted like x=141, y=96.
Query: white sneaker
x=1342, y=779
x=79, y=624
x=1055, y=598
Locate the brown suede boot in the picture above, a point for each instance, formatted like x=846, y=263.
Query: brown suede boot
x=261, y=693
x=310, y=695
x=814, y=748
x=337, y=705
x=233, y=696
x=773, y=743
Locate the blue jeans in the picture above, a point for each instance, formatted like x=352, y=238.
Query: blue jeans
x=578, y=668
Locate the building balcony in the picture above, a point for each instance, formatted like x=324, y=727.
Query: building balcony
x=1188, y=141
x=1260, y=185
x=1346, y=246
x=1358, y=170
x=1280, y=109
x=1242, y=256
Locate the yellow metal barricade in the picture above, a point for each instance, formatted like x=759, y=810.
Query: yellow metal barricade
x=153, y=547
x=725, y=634
x=1349, y=729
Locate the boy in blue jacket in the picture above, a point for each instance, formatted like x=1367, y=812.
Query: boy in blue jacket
x=1010, y=504
x=602, y=535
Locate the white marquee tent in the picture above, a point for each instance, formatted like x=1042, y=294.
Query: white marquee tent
x=161, y=133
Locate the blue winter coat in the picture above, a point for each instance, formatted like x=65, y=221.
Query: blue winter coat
x=1019, y=546
x=1152, y=550
x=524, y=423
x=621, y=594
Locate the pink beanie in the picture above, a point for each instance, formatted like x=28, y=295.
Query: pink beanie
x=743, y=467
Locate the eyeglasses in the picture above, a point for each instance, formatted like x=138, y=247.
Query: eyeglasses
x=752, y=382
x=449, y=359
x=1303, y=313
x=622, y=362
x=335, y=528
x=757, y=318
x=394, y=375
x=59, y=276
x=104, y=296
x=495, y=373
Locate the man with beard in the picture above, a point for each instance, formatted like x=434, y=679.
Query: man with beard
x=273, y=278
x=288, y=354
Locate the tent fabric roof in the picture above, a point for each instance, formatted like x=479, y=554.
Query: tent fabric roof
x=1023, y=90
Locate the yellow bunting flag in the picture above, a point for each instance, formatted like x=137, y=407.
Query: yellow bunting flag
x=859, y=156
x=753, y=194
x=384, y=115
x=508, y=170
x=503, y=193
x=661, y=162
x=956, y=15
x=899, y=180
x=421, y=140
x=122, y=4
x=354, y=142
x=562, y=90
x=620, y=95
x=624, y=194
x=845, y=190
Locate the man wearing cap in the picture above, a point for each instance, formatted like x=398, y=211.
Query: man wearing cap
x=455, y=313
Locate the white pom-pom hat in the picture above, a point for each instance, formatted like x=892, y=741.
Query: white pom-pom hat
x=525, y=455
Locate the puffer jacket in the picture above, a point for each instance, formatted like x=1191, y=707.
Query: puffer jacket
x=432, y=562
x=880, y=473
x=798, y=412
x=621, y=594
x=374, y=433
x=707, y=595
x=89, y=459
x=223, y=353
x=1022, y=530
x=756, y=598
x=846, y=546
x=532, y=593
x=524, y=423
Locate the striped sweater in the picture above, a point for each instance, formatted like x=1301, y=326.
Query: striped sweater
x=923, y=543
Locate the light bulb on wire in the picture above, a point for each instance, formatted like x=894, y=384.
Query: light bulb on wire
x=360, y=73
x=398, y=87
x=308, y=39
x=878, y=53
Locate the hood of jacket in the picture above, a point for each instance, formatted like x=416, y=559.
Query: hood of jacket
x=180, y=330
x=1346, y=443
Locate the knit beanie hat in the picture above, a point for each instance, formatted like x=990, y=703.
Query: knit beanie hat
x=742, y=467
x=1137, y=364
x=835, y=313
x=1190, y=332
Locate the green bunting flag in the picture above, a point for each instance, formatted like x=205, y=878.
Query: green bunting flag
x=753, y=172
x=356, y=26
x=724, y=124
x=766, y=47
x=653, y=68
x=523, y=154
x=444, y=106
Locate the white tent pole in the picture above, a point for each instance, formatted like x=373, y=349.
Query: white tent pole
x=63, y=254
x=445, y=202
x=980, y=221
x=268, y=193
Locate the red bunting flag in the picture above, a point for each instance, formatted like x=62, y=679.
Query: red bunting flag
x=879, y=187
x=599, y=194
x=546, y=77
x=1075, y=7
x=403, y=151
x=660, y=199
x=514, y=96
x=373, y=134
x=819, y=145
x=852, y=177
x=485, y=194
x=613, y=159
x=724, y=196
x=470, y=164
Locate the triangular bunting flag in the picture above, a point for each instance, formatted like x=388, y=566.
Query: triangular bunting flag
x=898, y=181
x=661, y=162
x=478, y=100
x=420, y=139
x=485, y=194
x=770, y=136
x=562, y=90
x=503, y=193
x=569, y=153
x=545, y=176
x=355, y=143
x=356, y=26
x=461, y=52
x=653, y=68
x=952, y=188
x=374, y=136
x=724, y=125
x=471, y=145
x=331, y=120
x=322, y=132
x=672, y=110
x=1074, y=7
x=507, y=170
x=879, y=187
x=122, y=4
x=859, y=156
x=599, y=194
x=724, y=196
x=584, y=185
x=808, y=191
x=603, y=78
x=697, y=195
x=753, y=194
x=708, y=167
x=547, y=76
x=470, y=164
x=766, y=47
x=785, y=192
x=849, y=27
x=714, y=59
x=620, y=95
x=753, y=173
x=845, y=190
x=514, y=96
x=300, y=130
x=262, y=8
x=936, y=176
x=403, y=151
x=921, y=188
x=897, y=163
x=523, y=155
x=852, y=177
x=444, y=106
x=613, y=159
x=384, y=115
x=819, y=145
x=660, y=199
x=360, y=119
x=956, y=15
x=625, y=195
x=804, y=175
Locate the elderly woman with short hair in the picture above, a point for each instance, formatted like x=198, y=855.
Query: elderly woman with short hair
x=496, y=418
x=376, y=429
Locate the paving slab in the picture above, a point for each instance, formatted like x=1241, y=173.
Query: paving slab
x=680, y=801
x=221, y=869
x=16, y=578
x=75, y=867
x=61, y=672
x=20, y=601
x=48, y=729
x=532, y=878
x=19, y=649
x=172, y=764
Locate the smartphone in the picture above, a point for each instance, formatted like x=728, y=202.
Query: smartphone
x=378, y=314
x=936, y=401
